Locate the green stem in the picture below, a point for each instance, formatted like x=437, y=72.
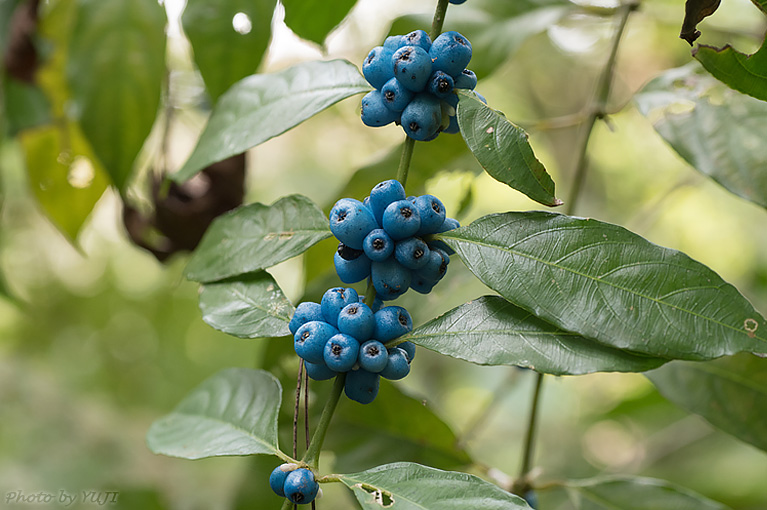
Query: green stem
x=404, y=160
x=527, y=457
x=370, y=293
x=312, y=455
x=439, y=18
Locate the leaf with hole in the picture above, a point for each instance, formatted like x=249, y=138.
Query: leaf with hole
x=744, y=73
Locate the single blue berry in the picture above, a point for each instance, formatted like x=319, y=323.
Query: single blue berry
x=374, y=112
x=397, y=367
x=450, y=52
x=401, y=220
x=301, y=487
x=378, y=246
x=373, y=356
x=531, y=498
x=351, y=221
x=310, y=339
x=361, y=386
x=305, y=312
x=318, y=371
x=422, y=118
x=466, y=80
x=432, y=214
x=412, y=253
x=457, y=2
x=412, y=67
x=436, y=267
x=390, y=279
x=351, y=270
x=383, y=194
x=392, y=322
x=341, y=352
x=417, y=38
x=334, y=300
x=395, y=96
x=377, y=67
x=357, y=320
x=278, y=476
x=441, y=84
x=409, y=348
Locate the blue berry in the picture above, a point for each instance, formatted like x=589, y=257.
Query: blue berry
x=457, y=2
x=278, y=476
x=452, y=127
x=401, y=220
x=394, y=42
x=341, y=352
x=373, y=356
x=318, y=371
x=432, y=214
x=390, y=279
x=481, y=97
x=397, y=366
x=412, y=253
x=351, y=270
x=305, y=312
x=412, y=66
x=395, y=96
x=301, y=487
x=310, y=339
x=450, y=52
x=377, y=67
x=357, y=320
x=383, y=194
x=409, y=348
x=436, y=267
x=441, y=84
x=466, y=80
x=422, y=118
x=421, y=284
x=448, y=224
x=361, y=386
x=531, y=498
x=392, y=322
x=334, y=300
x=378, y=246
x=417, y=38
x=374, y=111
x=351, y=221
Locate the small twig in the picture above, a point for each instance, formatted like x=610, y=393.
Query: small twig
x=296, y=409
x=522, y=483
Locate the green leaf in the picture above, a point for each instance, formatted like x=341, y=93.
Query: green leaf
x=745, y=73
x=253, y=307
x=397, y=426
x=257, y=236
x=503, y=150
x=115, y=70
x=715, y=129
x=63, y=174
x=624, y=493
x=730, y=392
x=224, y=55
x=492, y=331
x=408, y=486
x=315, y=19
x=233, y=412
x=25, y=106
x=606, y=283
x=263, y=106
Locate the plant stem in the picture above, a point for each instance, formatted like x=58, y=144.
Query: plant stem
x=312, y=454
x=404, y=160
x=521, y=485
x=439, y=18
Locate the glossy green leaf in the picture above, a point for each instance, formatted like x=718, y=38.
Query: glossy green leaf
x=609, y=284
x=397, y=426
x=315, y=19
x=408, y=486
x=624, y=493
x=492, y=331
x=503, y=150
x=717, y=130
x=729, y=392
x=745, y=73
x=234, y=412
x=225, y=54
x=115, y=70
x=253, y=307
x=63, y=174
x=256, y=237
x=263, y=106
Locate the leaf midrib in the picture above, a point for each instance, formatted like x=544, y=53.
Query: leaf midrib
x=274, y=448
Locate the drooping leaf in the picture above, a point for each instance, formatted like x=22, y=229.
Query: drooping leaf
x=729, y=392
x=25, y=106
x=492, y=331
x=720, y=135
x=408, y=486
x=315, y=19
x=503, y=150
x=694, y=12
x=256, y=237
x=115, y=70
x=624, y=493
x=253, y=307
x=63, y=173
x=234, y=412
x=263, y=106
x=609, y=284
x=223, y=52
x=397, y=426
x=744, y=73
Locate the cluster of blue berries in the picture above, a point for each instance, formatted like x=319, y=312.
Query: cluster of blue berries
x=383, y=237
x=414, y=80
x=296, y=484
x=342, y=334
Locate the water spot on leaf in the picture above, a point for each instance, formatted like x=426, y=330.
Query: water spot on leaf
x=81, y=173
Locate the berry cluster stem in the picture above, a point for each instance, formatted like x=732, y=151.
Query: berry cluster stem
x=312, y=455
x=439, y=18
x=404, y=160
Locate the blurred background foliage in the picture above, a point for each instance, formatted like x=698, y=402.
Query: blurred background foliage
x=98, y=338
